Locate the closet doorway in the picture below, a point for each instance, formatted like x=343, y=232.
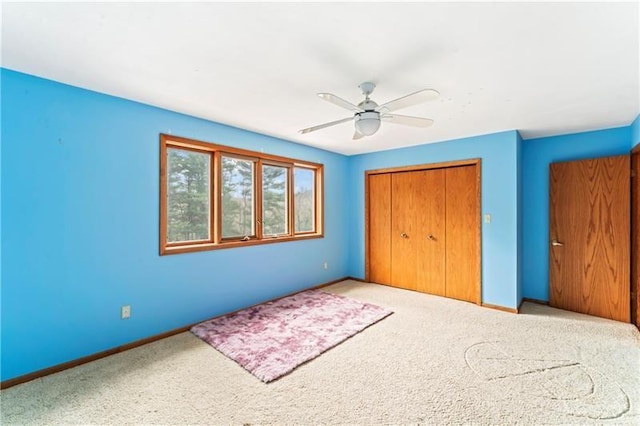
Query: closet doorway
x=423, y=228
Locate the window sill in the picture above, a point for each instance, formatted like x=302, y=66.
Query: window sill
x=188, y=248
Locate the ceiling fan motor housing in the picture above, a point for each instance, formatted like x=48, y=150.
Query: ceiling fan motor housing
x=367, y=123
x=368, y=105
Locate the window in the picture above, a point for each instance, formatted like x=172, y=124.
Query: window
x=275, y=206
x=304, y=199
x=237, y=209
x=188, y=201
x=213, y=197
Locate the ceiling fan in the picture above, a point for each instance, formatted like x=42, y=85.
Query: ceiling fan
x=368, y=114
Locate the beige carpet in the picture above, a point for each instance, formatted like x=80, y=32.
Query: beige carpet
x=433, y=361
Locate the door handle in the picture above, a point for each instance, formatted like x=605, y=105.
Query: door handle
x=431, y=237
x=556, y=243
x=404, y=235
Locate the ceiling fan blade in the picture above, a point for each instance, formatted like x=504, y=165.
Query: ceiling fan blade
x=340, y=102
x=407, y=120
x=322, y=126
x=357, y=135
x=409, y=100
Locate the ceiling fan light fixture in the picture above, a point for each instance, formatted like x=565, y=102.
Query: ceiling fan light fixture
x=368, y=114
x=367, y=123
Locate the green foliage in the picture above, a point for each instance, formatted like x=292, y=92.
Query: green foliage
x=304, y=200
x=187, y=195
x=274, y=200
x=237, y=197
x=304, y=211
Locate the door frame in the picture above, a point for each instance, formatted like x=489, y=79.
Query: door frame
x=635, y=236
x=477, y=162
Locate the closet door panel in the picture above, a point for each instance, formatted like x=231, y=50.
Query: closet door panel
x=404, y=236
x=380, y=228
x=430, y=216
x=463, y=234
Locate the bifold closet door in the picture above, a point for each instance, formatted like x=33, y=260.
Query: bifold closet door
x=431, y=233
x=589, y=237
x=463, y=233
x=379, y=211
x=418, y=230
x=405, y=202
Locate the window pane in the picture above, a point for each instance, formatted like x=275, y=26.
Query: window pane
x=304, y=199
x=237, y=198
x=188, y=195
x=274, y=200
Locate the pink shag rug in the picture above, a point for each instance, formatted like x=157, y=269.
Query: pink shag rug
x=272, y=339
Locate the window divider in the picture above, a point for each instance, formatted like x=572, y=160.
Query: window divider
x=258, y=182
x=291, y=200
x=216, y=196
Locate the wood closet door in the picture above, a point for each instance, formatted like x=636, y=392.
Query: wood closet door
x=589, y=236
x=379, y=211
x=418, y=230
x=431, y=232
x=405, y=203
x=463, y=234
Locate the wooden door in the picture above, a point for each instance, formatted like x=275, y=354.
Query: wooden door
x=589, y=236
x=411, y=216
x=404, y=236
x=635, y=236
x=418, y=230
x=379, y=228
x=463, y=233
x=430, y=232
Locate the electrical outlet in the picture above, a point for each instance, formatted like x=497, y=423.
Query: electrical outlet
x=487, y=218
x=125, y=311
x=325, y=265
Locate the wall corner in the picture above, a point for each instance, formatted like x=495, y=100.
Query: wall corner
x=519, y=226
x=635, y=132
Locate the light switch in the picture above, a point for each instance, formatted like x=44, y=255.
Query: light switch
x=487, y=218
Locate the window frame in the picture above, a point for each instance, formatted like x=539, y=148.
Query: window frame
x=216, y=152
x=255, y=161
x=315, y=206
x=289, y=167
x=211, y=199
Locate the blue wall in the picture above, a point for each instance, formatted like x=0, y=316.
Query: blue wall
x=537, y=154
x=499, y=198
x=80, y=227
x=635, y=132
x=79, y=221
x=1, y=244
x=520, y=218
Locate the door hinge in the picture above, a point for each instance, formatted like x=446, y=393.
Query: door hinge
x=633, y=173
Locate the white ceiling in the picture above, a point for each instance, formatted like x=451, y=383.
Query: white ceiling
x=541, y=68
